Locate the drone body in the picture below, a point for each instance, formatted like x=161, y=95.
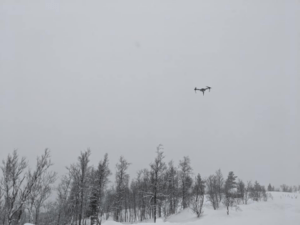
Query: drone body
x=202, y=89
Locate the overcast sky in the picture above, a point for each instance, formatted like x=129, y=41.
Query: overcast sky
x=118, y=77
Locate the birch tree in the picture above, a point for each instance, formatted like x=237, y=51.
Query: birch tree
x=185, y=171
x=99, y=185
x=212, y=191
x=39, y=194
x=219, y=184
x=122, y=179
x=157, y=171
x=80, y=185
x=18, y=184
x=172, y=187
x=198, y=195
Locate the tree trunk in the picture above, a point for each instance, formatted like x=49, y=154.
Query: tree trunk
x=155, y=198
x=159, y=210
x=37, y=216
x=58, y=219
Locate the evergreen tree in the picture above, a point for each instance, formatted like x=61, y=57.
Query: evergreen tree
x=230, y=184
x=255, y=192
x=269, y=187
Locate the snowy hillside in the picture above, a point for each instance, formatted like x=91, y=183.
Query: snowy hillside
x=284, y=208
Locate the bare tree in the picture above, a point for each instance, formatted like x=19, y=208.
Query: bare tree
x=99, y=185
x=172, y=188
x=2, y=209
x=122, y=179
x=157, y=171
x=198, y=195
x=41, y=192
x=18, y=185
x=50, y=211
x=185, y=171
x=11, y=184
x=240, y=190
x=143, y=184
x=212, y=191
x=80, y=176
x=63, y=196
x=219, y=184
x=286, y=188
x=247, y=192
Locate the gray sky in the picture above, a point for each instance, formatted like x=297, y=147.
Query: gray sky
x=118, y=77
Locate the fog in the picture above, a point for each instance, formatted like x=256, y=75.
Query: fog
x=119, y=77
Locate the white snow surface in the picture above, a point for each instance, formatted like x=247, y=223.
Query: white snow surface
x=283, y=209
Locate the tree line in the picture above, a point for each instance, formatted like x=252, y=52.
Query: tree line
x=88, y=193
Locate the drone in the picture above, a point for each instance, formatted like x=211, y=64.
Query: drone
x=202, y=89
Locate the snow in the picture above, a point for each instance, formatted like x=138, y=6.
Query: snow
x=284, y=208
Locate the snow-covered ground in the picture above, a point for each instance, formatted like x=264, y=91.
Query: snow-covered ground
x=283, y=209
